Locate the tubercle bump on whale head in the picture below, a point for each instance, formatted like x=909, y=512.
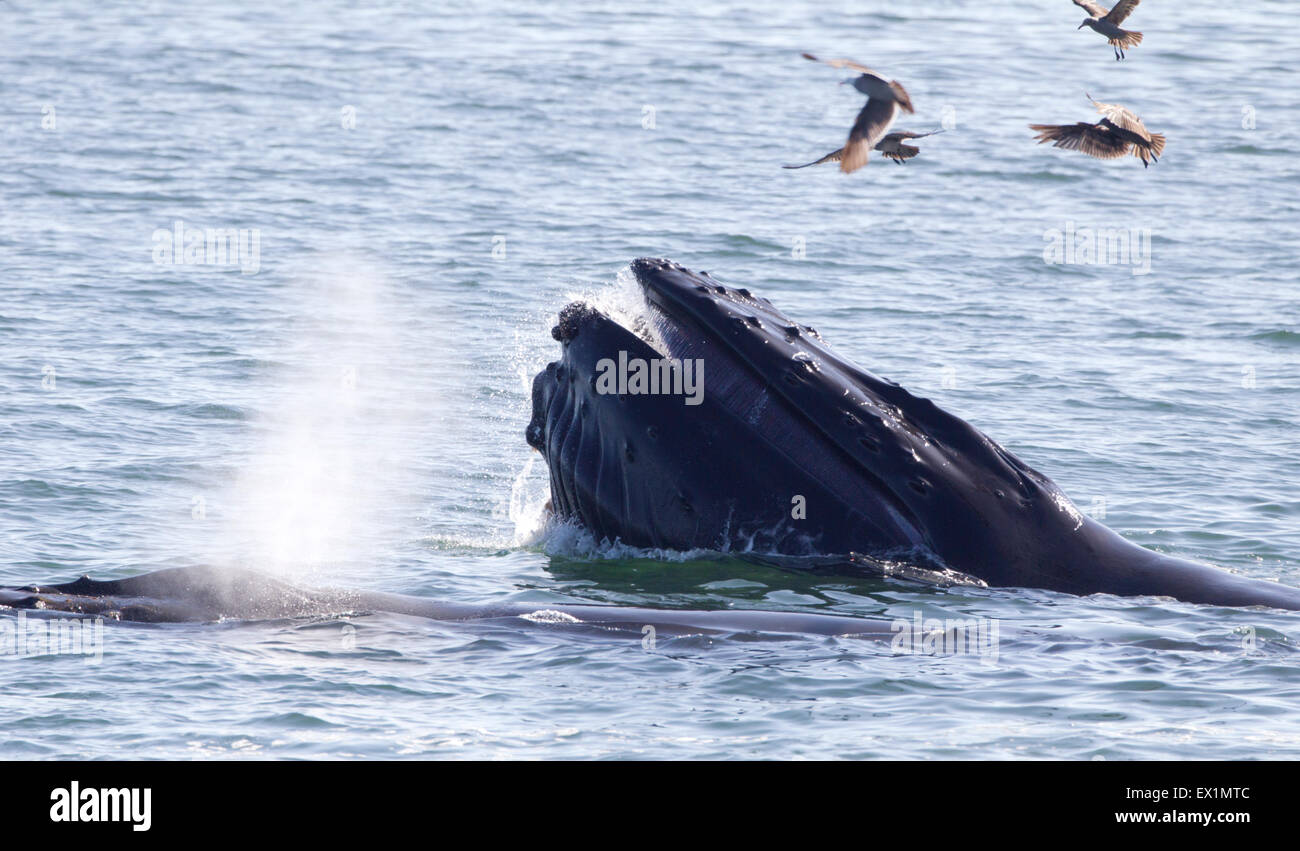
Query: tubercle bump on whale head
x=571, y=320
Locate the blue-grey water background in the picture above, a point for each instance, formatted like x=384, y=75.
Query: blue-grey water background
x=432, y=182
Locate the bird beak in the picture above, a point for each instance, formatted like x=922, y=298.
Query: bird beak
x=1082, y=25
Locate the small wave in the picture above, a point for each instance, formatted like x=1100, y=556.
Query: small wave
x=1049, y=177
x=1280, y=336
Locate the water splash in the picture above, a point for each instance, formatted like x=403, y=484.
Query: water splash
x=623, y=300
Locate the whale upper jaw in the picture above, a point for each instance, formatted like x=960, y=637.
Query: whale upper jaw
x=685, y=302
x=681, y=305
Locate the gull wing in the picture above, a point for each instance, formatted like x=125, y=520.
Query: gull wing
x=870, y=127
x=833, y=157
x=903, y=152
x=900, y=95
x=1121, y=11
x=1091, y=139
x=909, y=134
x=1122, y=118
x=843, y=63
x=1092, y=9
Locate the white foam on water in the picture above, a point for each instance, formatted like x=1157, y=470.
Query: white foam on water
x=570, y=539
x=549, y=616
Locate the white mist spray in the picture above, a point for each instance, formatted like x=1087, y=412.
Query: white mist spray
x=345, y=429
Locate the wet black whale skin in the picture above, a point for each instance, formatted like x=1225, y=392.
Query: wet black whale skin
x=783, y=416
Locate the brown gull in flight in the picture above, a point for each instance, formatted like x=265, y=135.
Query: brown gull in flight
x=1107, y=23
x=884, y=99
x=891, y=146
x=1119, y=132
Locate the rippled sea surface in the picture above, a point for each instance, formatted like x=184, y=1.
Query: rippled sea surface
x=430, y=184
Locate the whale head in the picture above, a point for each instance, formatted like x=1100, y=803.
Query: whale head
x=787, y=448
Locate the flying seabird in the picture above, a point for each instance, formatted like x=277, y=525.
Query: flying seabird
x=884, y=99
x=1147, y=146
x=1118, y=132
x=1107, y=23
x=891, y=146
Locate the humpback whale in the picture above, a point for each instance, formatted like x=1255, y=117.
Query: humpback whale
x=716, y=422
x=207, y=594
x=791, y=449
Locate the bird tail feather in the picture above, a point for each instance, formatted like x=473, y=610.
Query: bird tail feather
x=1127, y=39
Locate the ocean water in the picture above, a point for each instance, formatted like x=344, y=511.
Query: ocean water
x=430, y=184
